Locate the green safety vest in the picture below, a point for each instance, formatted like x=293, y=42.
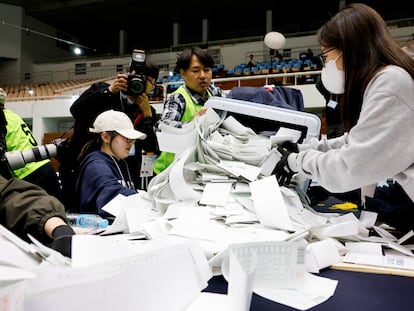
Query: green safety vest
x=191, y=108
x=20, y=137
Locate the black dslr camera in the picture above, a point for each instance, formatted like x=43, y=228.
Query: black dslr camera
x=136, y=81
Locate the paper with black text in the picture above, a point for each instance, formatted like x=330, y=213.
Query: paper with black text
x=387, y=261
x=241, y=280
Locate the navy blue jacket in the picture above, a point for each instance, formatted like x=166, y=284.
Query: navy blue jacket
x=85, y=109
x=284, y=97
x=102, y=178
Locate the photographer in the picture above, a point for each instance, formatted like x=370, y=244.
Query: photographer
x=127, y=93
x=17, y=136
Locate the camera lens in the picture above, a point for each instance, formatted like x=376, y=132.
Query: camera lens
x=17, y=159
x=136, y=85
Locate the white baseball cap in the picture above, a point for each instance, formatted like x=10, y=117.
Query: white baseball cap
x=117, y=121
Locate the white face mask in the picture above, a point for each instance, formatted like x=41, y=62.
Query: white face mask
x=332, y=78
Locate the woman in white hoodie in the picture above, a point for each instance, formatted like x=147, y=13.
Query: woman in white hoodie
x=362, y=61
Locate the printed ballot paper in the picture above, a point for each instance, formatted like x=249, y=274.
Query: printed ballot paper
x=239, y=289
x=274, y=270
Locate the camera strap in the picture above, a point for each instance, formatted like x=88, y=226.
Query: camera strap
x=138, y=118
x=123, y=99
x=126, y=182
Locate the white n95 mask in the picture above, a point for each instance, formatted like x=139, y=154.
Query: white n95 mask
x=332, y=78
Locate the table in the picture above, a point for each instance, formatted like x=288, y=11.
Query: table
x=355, y=291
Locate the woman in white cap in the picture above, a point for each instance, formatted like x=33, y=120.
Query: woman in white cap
x=104, y=173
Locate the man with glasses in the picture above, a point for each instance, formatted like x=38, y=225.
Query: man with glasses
x=100, y=97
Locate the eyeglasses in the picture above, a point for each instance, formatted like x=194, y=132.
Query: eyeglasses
x=153, y=82
x=322, y=56
x=131, y=141
x=128, y=140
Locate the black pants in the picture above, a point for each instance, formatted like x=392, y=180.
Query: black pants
x=394, y=207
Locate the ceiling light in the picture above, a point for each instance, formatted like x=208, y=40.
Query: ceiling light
x=77, y=51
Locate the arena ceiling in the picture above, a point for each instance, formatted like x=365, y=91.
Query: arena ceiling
x=148, y=24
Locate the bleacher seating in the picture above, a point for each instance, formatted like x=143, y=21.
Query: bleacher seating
x=174, y=77
x=46, y=90
x=42, y=90
x=272, y=67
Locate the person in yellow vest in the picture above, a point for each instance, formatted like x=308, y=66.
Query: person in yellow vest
x=195, y=67
x=16, y=135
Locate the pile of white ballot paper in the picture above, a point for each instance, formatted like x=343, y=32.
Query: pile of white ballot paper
x=217, y=209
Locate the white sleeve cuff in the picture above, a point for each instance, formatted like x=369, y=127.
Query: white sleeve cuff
x=292, y=162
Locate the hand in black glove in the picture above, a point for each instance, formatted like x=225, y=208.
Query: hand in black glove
x=290, y=146
x=282, y=170
x=62, y=240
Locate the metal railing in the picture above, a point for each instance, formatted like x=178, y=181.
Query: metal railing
x=289, y=78
x=296, y=79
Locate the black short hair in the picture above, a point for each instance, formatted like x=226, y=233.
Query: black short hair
x=151, y=70
x=184, y=59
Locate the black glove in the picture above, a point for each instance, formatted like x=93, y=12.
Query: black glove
x=62, y=240
x=282, y=170
x=394, y=207
x=290, y=146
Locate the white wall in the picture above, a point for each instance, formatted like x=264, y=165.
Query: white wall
x=45, y=116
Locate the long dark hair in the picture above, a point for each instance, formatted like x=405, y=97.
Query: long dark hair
x=151, y=69
x=367, y=46
x=94, y=144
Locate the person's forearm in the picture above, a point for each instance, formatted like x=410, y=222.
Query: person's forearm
x=52, y=223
